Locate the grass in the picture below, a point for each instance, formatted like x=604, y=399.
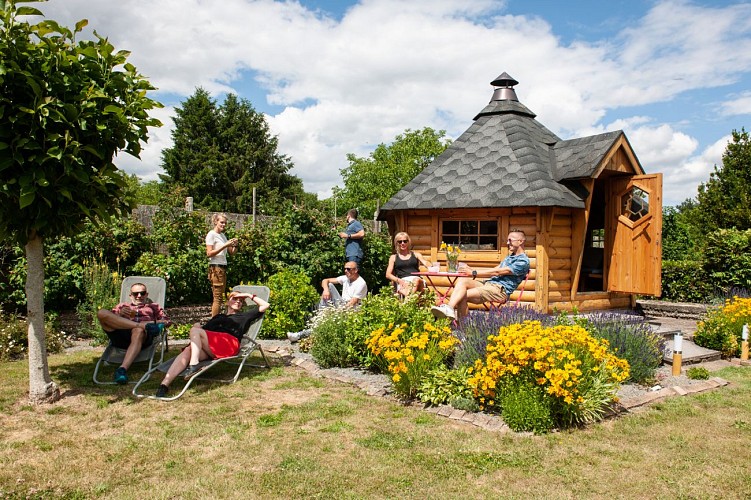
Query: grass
x=282, y=434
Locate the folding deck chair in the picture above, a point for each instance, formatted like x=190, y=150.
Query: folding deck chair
x=112, y=355
x=247, y=346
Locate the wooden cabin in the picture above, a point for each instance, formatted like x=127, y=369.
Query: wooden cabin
x=592, y=217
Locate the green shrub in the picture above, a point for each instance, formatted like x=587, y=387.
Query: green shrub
x=442, y=385
x=14, y=337
x=525, y=408
x=722, y=327
x=101, y=289
x=330, y=346
x=686, y=281
x=180, y=332
x=292, y=298
x=464, y=403
x=727, y=258
x=697, y=373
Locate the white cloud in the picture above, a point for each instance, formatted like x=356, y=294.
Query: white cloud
x=740, y=105
x=681, y=181
x=388, y=65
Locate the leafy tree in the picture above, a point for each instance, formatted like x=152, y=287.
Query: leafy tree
x=145, y=193
x=725, y=199
x=373, y=180
x=66, y=107
x=221, y=152
x=680, y=232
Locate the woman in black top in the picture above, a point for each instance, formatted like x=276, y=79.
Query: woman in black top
x=403, y=263
x=219, y=338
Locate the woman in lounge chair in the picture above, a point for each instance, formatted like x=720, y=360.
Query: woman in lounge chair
x=219, y=338
x=403, y=263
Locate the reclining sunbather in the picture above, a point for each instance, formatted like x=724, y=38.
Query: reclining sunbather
x=219, y=338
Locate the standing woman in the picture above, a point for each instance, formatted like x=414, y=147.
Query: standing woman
x=217, y=247
x=403, y=263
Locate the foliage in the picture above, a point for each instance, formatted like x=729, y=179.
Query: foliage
x=117, y=244
x=576, y=371
x=409, y=353
x=630, y=337
x=685, y=281
x=442, y=385
x=474, y=329
x=722, y=327
x=220, y=153
x=180, y=332
x=697, y=373
x=292, y=296
x=377, y=252
x=101, y=291
x=300, y=239
x=680, y=233
x=724, y=201
x=14, y=341
x=381, y=309
x=330, y=344
x=727, y=258
x=526, y=407
x=368, y=181
x=340, y=334
x=66, y=107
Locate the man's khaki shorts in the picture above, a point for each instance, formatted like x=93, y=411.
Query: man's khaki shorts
x=491, y=292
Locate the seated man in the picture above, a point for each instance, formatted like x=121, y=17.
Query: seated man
x=354, y=289
x=125, y=325
x=504, y=279
x=220, y=337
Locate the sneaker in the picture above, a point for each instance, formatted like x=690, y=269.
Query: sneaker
x=121, y=376
x=443, y=311
x=192, y=370
x=162, y=391
x=296, y=336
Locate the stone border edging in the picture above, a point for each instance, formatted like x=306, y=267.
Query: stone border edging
x=486, y=421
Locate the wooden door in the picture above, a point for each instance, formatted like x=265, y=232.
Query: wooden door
x=634, y=235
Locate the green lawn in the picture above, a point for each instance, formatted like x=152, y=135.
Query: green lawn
x=282, y=433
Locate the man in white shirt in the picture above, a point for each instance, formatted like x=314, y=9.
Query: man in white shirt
x=354, y=289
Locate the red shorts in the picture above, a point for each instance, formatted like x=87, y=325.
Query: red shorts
x=223, y=345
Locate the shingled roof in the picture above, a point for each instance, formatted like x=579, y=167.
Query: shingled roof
x=505, y=159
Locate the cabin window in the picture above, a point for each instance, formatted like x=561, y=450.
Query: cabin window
x=597, y=238
x=471, y=234
x=635, y=204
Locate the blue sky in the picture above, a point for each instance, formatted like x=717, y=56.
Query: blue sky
x=337, y=77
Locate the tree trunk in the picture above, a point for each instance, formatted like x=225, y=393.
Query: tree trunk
x=41, y=387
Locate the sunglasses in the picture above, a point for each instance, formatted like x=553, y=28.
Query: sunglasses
x=139, y=294
x=349, y=269
x=400, y=242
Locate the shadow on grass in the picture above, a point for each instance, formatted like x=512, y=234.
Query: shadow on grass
x=75, y=377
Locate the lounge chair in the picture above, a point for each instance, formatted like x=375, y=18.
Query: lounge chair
x=112, y=355
x=248, y=345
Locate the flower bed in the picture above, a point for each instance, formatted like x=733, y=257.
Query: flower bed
x=538, y=371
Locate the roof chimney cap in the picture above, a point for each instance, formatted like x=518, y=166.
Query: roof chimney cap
x=504, y=80
x=504, y=88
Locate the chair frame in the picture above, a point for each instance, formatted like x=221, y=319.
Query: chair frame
x=248, y=345
x=112, y=355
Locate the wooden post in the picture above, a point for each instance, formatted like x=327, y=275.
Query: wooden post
x=254, y=205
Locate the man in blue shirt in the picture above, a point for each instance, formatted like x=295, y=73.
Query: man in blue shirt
x=503, y=280
x=353, y=237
